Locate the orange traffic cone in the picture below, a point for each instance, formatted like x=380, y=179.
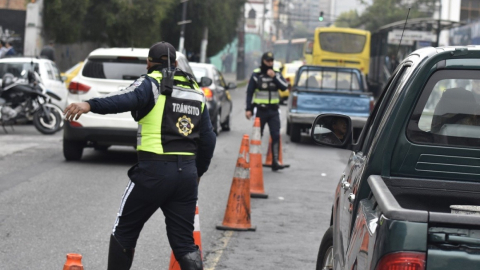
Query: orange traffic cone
x=268, y=161
x=237, y=215
x=74, y=262
x=196, y=237
x=256, y=169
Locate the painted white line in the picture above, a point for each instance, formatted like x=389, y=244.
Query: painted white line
x=323, y=174
x=281, y=198
x=215, y=256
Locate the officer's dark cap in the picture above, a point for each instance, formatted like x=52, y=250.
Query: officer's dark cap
x=268, y=56
x=160, y=49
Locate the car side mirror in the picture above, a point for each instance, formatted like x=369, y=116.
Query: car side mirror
x=205, y=81
x=231, y=86
x=332, y=130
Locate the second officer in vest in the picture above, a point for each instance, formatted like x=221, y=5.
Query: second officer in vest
x=175, y=144
x=263, y=97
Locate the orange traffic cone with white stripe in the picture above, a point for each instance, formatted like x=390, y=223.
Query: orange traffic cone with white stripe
x=256, y=169
x=268, y=160
x=74, y=262
x=237, y=215
x=174, y=265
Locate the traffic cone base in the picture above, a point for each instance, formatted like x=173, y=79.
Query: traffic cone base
x=237, y=215
x=268, y=160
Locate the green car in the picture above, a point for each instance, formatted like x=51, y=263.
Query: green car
x=409, y=198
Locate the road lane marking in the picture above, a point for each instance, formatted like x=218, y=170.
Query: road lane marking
x=217, y=254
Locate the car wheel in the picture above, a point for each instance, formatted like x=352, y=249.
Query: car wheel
x=295, y=133
x=288, y=128
x=325, y=253
x=72, y=150
x=226, y=124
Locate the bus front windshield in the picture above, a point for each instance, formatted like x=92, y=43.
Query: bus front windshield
x=287, y=53
x=337, y=42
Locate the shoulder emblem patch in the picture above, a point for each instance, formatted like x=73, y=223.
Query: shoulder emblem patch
x=185, y=125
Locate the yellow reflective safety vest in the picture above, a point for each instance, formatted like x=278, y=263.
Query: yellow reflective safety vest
x=266, y=91
x=173, y=124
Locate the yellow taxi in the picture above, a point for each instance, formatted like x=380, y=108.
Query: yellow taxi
x=288, y=72
x=68, y=75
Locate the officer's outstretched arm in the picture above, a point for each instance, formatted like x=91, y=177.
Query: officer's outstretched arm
x=134, y=97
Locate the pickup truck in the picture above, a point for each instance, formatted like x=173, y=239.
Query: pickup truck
x=319, y=89
x=409, y=196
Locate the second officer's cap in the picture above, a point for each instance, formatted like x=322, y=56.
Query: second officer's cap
x=160, y=49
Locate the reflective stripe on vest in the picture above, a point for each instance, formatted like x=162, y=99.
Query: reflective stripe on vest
x=179, y=127
x=265, y=93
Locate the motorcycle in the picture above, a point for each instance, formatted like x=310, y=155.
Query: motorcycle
x=26, y=99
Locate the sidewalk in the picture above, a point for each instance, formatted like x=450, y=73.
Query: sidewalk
x=232, y=77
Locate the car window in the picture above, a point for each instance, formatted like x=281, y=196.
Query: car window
x=448, y=111
x=199, y=72
x=221, y=80
x=122, y=68
x=49, y=70
x=328, y=80
x=16, y=68
x=376, y=117
x=56, y=73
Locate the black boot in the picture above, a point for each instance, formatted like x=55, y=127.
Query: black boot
x=119, y=258
x=191, y=261
x=275, y=154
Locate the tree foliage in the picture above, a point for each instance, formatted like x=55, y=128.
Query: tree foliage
x=141, y=23
x=220, y=17
x=383, y=12
x=62, y=19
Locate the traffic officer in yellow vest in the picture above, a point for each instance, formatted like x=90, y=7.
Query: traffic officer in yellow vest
x=175, y=144
x=263, y=89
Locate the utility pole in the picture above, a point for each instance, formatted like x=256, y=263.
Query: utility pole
x=263, y=25
x=182, y=23
x=203, y=49
x=241, y=46
x=439, y=24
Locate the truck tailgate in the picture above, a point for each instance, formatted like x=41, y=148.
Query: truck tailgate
x=450, y=248
x=355, y=104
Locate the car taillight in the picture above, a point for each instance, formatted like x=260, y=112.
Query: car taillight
x=372, y=104
x=78, y=88
x=402, y=261
x=207, y=92
x=294, y=101
x=75, y=124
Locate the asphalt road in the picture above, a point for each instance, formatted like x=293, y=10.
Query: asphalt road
x=50, y=207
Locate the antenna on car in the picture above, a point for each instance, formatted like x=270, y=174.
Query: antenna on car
x=401, y=37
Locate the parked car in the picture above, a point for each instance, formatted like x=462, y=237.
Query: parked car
x=49, y=74
x=409, y=196
x=319, y=89
x=219, y=103
x=68, y=75
x=106, y=71
x=288, y=72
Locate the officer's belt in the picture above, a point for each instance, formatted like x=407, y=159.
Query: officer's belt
x=142, y=155
x=266, y=106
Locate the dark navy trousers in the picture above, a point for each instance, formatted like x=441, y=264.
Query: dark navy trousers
x=270, y=116
x=168, y=185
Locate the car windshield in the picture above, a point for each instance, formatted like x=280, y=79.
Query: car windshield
x=199, y=72
x=121, y=68
x=16, y=68
x=328, y=80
